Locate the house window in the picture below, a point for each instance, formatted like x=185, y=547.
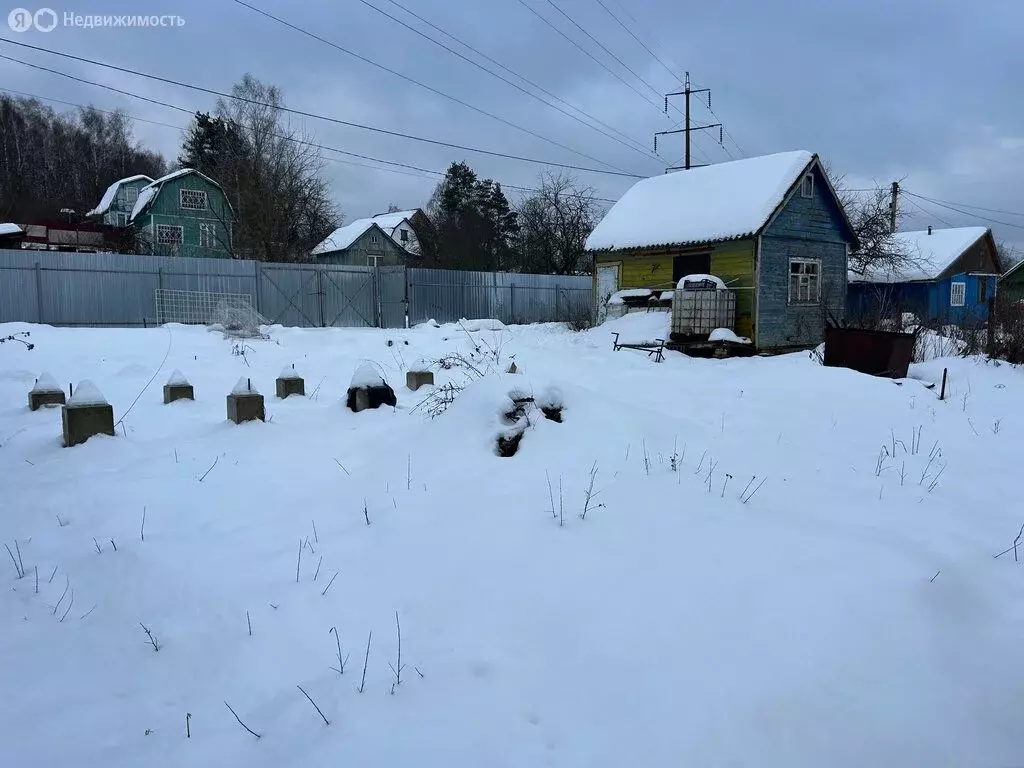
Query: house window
x=121, y=219
x=192, y=199
x=957, y=294
x=804, y=281
x=982, y=290
x=373, y=261
x=807, y=186
x=373, y=239
x=168, y=234
x=404, y=235
x=131, y=195
x=207, y=235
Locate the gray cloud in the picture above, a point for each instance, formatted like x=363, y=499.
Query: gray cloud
x=922, y=89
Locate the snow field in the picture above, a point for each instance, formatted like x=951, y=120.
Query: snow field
x=684, y=620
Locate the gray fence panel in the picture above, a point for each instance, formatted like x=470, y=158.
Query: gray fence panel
x=448, y=295
x=118, y=289
x=393, y=304
x=348, y=297
x=291, y=295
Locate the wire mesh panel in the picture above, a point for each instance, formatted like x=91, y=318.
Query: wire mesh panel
x=699, y=312
x=199, y=307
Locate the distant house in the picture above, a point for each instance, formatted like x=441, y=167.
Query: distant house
x=115, y=207
x=404, y=227
x=362, y=243
x=946, y=275
x=184, y=213
x=771, y=227
x=1011, y=284
x=11, y=235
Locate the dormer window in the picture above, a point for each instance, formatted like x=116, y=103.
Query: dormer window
x=807, y=186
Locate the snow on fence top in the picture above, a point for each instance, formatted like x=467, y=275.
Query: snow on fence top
x=681, y=285
x=177, y=379
x=289, y=372
x=926, y=256
x=108, y=197
x=718, y=202
x=87, y=393
x=366, y=376
x=244, y=387
x=46, y=383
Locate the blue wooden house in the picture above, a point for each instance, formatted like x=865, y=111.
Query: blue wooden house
x=945, y=276
x=771, y=227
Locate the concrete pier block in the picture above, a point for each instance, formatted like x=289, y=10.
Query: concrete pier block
x=87, y=413
x=178, y=388
x=45, y=392
x=290, y=383
x=416, y=379
x=245, y=403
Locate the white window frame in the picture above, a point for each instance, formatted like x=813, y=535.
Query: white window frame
x=131, y=195
x=120, y=219
x=957, y=287
x=807, y=185
x=200, y=195
x=374, y=238
x=207, y=235
x=373, y=261
x=404, y=235
x=160, y=228
x=808, y=279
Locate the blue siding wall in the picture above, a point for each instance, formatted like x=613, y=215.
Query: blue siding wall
x=806, y=228
x=930, y=302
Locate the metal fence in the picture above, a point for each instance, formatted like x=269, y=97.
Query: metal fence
x=115, y=289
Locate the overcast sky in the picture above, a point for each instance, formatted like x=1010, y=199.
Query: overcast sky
x=928, y=90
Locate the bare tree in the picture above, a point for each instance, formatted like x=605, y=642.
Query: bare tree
x=272, y=173
x=1007, y=256
x=554, y=223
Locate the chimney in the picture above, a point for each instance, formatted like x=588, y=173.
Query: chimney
x=929, y=229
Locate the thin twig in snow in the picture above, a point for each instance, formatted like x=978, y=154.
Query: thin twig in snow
x=326, y=721
x=366, y=512
x=215, y=460
x=151, y=636
x=250, y=730
x=84, y=615
x=419, y=673
x=321, y=562
x=398, y=671
x=99, y=549
x=249, y=622
x=37, y=579
x=340, y=669
x=343, y=468
x=700, y=466
x=50, y=580
x=17, y=568
x=933, y=578
x=71, y=602
x=329, y=583
x=315, y=537
x=67, y=586
x=188, y=728
x=758, y=488
x=142, y=530
x=366, y=660
x=551, y=495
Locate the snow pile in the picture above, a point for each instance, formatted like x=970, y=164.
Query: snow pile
x=87, y=393
x=177, y=379
x=681, y=285
x=727, y=334
x=46, y=383
x=7, y=228
x=244, y=386
x=702, y=559
x=718, y=202
x=636, y=326
x=619, y=297
x=146, y=194
x=108, y=197
x=289, y=372
x=366, y=375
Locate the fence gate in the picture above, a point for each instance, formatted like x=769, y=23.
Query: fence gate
x=349, y=296
x=290, y=296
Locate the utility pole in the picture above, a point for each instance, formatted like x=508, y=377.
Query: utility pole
x=892, y=205
x=687, y=91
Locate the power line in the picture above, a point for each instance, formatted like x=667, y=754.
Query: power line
x=633, y=18
x=642, y=43
x=423, y=85
x=975, y=207
x=302, y=113
x=600, y=63
x=479, y=66
x=931, y=215
x=601, y=45
x=414, y=171
x=966, y=213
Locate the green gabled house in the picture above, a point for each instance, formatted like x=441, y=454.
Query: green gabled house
x=184, y=213
x=115, y=207
x=1011, y=284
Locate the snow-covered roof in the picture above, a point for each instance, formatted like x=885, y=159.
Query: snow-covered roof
x=388, y=221
x=717, y=202
x=927, y=255
x=108, y=197
x=343, y=237
x=147, y=193
x=10, y=229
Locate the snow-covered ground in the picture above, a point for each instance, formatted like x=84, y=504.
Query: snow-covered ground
x=775, y=595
